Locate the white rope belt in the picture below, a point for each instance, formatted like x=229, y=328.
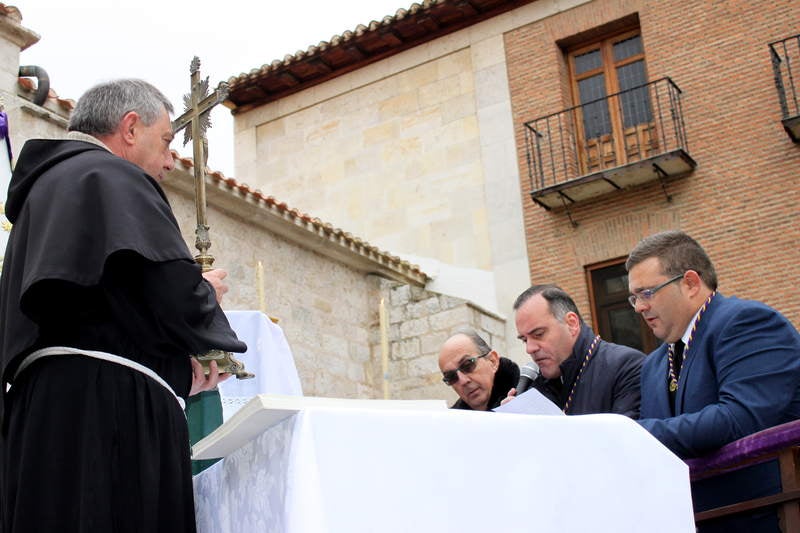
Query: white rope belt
x=65, y=350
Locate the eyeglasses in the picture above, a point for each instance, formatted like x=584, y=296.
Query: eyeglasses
x=646, y=294
x=466, y=367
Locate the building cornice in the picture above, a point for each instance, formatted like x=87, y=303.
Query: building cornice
x=352, y=50
x=241, y=201
x=12, y=29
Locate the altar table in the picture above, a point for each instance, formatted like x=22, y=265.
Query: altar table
x=358, y=470
x=268, y=356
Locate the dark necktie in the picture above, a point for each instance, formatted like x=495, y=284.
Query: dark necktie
x=678, y=358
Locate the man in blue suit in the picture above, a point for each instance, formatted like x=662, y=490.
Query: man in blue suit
x=727, y=368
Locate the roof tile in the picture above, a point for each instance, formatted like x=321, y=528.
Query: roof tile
x=28, y=86
x=373, y=42
x=314, y=224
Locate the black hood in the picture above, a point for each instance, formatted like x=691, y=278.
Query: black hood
x=37, y=157
x=73, y=204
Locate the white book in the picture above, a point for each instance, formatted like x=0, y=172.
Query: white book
x=266, y=410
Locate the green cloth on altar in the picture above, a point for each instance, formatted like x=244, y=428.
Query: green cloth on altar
x=204, y=415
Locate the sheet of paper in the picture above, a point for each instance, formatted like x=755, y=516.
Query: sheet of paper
x=530, y=402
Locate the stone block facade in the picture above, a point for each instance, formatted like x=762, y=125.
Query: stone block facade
x=25, y=119
x=325, y=308
x=330, y=311
x=410, y=139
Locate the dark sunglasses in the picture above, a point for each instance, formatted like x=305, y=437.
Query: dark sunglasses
x=467, y=366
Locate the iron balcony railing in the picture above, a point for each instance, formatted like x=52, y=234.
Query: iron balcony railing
x=629, y=126
x=784, y=53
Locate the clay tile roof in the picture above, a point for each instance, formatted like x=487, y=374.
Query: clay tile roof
x=312, y=224
x=355, y=49
x=28, y=86
x=10, y=11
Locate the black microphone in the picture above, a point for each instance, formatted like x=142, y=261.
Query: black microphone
x=527, y=374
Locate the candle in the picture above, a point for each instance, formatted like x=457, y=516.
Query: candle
x=384, y=327
x=262, y=306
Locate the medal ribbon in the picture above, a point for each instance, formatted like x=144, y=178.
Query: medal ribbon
x=673, y=378
x=580, y=372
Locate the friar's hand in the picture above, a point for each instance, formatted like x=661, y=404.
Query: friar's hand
x=215, y=278
x=202, y=382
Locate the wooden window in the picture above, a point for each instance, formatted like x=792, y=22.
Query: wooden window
x=614, y=117
x=614, y=318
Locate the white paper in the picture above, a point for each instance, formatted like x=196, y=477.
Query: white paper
x=530, y=402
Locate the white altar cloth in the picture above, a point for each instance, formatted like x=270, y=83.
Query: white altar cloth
x=268, y=356
x=329, y=470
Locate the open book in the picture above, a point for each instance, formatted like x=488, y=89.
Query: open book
x=266, y=410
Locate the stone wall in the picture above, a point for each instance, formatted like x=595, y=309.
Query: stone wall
x=330, y=312
x=25, y=119
x=325, y=308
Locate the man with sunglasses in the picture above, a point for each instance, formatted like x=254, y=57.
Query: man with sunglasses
x=579, y=372
x=728, y=368
x=480, y=377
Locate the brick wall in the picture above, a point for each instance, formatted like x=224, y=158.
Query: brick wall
x=741, y=202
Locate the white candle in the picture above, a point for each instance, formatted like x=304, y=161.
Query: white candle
x=384, y=327
x=262, y=306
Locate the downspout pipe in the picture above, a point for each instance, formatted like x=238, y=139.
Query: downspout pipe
x=42, y=79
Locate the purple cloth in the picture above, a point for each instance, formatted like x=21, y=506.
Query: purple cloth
x=750, y=450
x=4, y=133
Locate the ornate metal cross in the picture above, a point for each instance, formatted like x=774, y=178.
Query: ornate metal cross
x=198, y=104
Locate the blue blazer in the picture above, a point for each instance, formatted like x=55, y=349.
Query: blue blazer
x=741, y=375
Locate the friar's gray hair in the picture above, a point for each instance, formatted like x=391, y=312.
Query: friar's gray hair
x=101, y=108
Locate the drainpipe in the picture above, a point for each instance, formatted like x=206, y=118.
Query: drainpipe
x=42, y=85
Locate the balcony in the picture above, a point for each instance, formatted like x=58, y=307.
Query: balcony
x=783, y=53
x=609, y=144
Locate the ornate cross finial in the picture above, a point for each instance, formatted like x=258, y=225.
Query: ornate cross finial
x=198, y=104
